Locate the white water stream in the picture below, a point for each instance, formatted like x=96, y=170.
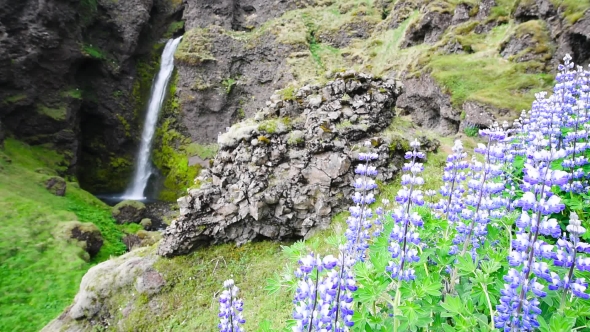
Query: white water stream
x=143, y=166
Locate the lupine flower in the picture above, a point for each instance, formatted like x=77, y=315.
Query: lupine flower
x=230, y=309
x=452, y=190
x=519, y=305
x=323, y=299
x=403, y=234
x=483, y=201
x=567, y=257
x=360, y=222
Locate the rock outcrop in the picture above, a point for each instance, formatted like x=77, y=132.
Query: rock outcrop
x=129, y=212
x=428, y=105
x=133, y=273
x=287, y=171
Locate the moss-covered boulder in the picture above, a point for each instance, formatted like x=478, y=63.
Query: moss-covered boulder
x=56, y=185
x=86, y=235
x=129, y=212
x=146, y=223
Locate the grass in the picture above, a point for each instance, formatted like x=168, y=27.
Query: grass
x=489, y=80
x=573, y=9
x=195, y=47
x=40, y=272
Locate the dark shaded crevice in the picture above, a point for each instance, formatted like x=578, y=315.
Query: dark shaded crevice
x=581, y=49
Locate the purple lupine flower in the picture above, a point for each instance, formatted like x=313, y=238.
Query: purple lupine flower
x=230, y=309
x=518, y=308
x=567, y=256
x=403, y=234
x=452, y=189
x=483, y=201
x=360, y=220
x=323, y=299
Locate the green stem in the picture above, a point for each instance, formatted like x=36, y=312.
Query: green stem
x=485, y=291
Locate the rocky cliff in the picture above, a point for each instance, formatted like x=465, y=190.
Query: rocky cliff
x=236, y=53
x=70, y=78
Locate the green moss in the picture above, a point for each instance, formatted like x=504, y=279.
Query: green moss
x=74, y=93
x=41, y=271
x=93, y=52
x=101, y=173
x=173, y=149
x=58, y=114
x=195, y=47
x=288, y=93
x=14, y=98
x=228, y=84
x=268, y=126
x=125, y=124
x=203, y=151
x=173, y=28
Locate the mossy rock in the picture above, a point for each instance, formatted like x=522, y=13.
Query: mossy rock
x=56, y=185
x=129, y=211
x=146, y=223
x=86, y=235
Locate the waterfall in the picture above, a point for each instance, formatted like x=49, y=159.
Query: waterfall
x=143, y=167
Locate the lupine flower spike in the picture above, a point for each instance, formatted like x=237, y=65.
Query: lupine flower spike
x=403, y=235
x=230, y=309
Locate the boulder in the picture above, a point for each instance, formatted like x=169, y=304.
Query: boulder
x=129, y=211
x=86, y=235
x=146, y=223
x=56, y=185
x=283, y=177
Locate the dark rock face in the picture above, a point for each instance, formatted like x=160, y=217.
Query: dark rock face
x=285, y=177
x=129, y=212
x=56, y=186
x=575, y=40
x=533, y=9
x=233, y=14
x=67, y=69
x=428, y=30
x=230, y=77
x=428, y=105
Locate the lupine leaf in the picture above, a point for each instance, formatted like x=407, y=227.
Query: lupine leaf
x=466, y=264
x=453, y=305
x=558, y=323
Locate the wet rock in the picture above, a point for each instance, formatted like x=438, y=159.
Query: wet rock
x=128, y=211
x=56, y=185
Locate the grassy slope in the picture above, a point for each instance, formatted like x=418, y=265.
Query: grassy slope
x=39, y=272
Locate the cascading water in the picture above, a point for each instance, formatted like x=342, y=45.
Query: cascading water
x=143, y=167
